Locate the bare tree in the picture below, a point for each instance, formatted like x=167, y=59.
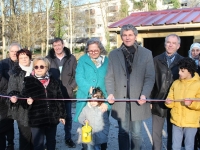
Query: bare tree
x=3, y=29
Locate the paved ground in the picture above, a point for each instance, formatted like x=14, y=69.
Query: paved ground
x=112, y=143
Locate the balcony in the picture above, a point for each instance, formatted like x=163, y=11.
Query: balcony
x=90, y=11
x=92, y=30
x=112, y=8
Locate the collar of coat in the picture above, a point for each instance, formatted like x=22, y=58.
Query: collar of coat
x=53, y=56
x=17, y=70
x=135, y=45
x=162, y=59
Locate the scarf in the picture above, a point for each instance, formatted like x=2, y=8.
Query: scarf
x=170, y=59
x=28, y=69
x=43, y=79
x=98, y=61
x=128, y=54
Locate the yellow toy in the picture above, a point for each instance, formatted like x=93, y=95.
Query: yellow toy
x=86, y=133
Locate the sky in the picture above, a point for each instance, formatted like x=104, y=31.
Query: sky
x=87, y=1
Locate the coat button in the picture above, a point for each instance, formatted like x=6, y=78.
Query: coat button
x=124, y=97
x=124, y=85
x=94, y=80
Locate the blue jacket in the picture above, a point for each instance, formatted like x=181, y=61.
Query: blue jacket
x=88, y=75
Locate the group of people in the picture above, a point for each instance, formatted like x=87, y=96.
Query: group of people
x=128, y=78
x=33, y=87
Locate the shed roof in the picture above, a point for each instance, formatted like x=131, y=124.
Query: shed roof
x=154, y=20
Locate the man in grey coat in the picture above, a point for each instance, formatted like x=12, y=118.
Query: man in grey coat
x=130, y=75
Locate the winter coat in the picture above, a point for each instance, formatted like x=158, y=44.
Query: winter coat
x=3, y=102
x=182, y=115
x=164, y=78
x=6, y=65
x=67, y=76
x=141, y=82
x=5, y=120
x=98, y=120
x=43, y=112
x=15, y=86
x=88, y=75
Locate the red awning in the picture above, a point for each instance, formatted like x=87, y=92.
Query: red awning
x=159, y=18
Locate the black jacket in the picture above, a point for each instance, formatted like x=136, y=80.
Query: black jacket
x=15, y=86
x=164, y=78
x=68, y=72
x=5, y=121
x=3, y=103
x=43, y=112
x=6, y=65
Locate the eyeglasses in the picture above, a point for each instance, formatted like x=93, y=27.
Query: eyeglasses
x=41, y=67
x=93, y=51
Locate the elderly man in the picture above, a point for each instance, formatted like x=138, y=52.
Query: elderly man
x=6, y=124
x=166, y=72
x=7, y=64
x=130, y=76
x=63, y=65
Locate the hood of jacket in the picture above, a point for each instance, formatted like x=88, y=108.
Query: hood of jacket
x=195, y=78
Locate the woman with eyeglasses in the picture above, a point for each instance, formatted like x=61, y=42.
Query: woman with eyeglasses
x=15, y=85
x=90, y=73
x=44, y=104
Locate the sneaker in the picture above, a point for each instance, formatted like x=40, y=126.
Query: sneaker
x=10, y=147
x=70, y=143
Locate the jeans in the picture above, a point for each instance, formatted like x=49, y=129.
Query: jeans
x=68, y=120
x=134, y=128
x=177, y=136
x=38, y=135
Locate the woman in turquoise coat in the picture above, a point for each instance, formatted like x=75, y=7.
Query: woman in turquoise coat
x=90, y=72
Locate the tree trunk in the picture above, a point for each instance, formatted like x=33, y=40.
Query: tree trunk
x=3, y=30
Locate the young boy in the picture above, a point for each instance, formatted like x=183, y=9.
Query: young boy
x=184, y=114
x=98, y=120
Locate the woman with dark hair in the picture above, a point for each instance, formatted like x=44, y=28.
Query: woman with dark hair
x=90, y=73
x=15, y=85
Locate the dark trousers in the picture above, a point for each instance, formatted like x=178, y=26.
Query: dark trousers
x=38, y=135
x=68, y=120
x=157, y=127
x=25, y=137
x=6, y=133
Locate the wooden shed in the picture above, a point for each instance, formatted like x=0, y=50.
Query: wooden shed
x=154, y=26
